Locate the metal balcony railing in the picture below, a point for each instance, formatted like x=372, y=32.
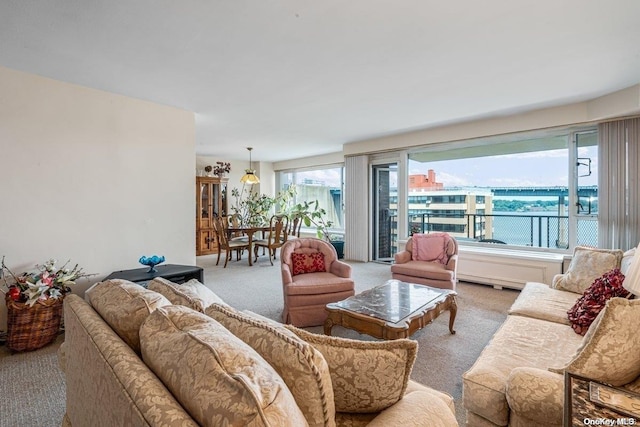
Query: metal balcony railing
x=542, y=231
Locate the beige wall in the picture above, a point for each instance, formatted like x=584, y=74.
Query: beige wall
x=94, y=177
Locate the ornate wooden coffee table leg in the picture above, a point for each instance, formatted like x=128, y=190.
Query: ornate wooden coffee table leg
x=328, y=324
x=453, y=310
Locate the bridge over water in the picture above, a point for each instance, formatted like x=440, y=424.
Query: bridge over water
x=586, y=191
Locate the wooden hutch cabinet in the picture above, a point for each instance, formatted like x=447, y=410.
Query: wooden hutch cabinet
x=211, y=202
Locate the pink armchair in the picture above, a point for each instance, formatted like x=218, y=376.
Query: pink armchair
x=312, y=277
x=429, y=259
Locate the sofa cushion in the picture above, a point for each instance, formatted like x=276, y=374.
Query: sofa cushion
x=585, y=310
x=218, y=379
x=610, y=351
x=307, y=263
x=520, y=342
x=124, y=306
x=367, y=376
x=300, y=365
x=539, y=301
x=433, y=270
x=536, y=396
x=586, y=266
x=192, y=294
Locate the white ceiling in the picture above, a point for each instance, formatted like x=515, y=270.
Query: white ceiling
x=294, y=78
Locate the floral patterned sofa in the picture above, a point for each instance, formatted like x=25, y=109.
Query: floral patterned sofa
x=177, y=355
x=518, y=380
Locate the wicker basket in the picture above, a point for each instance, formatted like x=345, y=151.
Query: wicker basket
x=30, y=328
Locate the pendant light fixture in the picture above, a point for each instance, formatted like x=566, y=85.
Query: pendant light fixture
x=250, y=176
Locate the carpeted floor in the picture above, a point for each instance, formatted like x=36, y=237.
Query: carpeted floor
x=32, y=386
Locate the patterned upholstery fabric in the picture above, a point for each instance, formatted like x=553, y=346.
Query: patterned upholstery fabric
x=610, y=351
x=536, y=395
x=589, y=305
x=107, y=381
x=302, y=263
x=520, y=342
x=539, y=301
x=586, y=266
x=217, y=378
x=124, y=306
x=192, y=294
x=367, y=376
x=300, y=365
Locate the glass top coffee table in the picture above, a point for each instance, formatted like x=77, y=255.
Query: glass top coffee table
x=393, y=310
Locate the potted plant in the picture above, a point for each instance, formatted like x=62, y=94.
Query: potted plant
x=34, y=303
x=314, y=215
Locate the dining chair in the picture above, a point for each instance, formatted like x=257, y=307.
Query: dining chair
x=295, y=223
x=275, y=238
x=234, y=222
x=221, y=227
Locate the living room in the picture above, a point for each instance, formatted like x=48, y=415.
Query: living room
x=102, y=174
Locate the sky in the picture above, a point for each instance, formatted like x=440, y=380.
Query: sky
x=536, y=169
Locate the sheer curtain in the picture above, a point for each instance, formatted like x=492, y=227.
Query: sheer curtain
x=356, y=208
x=619, y=184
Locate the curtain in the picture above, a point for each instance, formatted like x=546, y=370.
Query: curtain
x=356, y=199
x=619, y=184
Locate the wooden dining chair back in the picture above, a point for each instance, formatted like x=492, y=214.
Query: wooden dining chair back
x=221, y=227
x=295, y=223
x=275, y=238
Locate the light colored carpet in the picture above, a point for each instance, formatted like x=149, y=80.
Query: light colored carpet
x=32, y=386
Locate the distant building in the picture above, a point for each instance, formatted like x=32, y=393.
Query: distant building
x=461, y=212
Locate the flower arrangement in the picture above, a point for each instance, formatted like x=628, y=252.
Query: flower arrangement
x=221, y=168
x=45, y=282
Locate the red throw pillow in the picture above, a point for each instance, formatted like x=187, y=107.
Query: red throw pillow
x=307, y=263
x=585, y=310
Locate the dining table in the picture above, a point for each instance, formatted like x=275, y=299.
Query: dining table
x=249, y=231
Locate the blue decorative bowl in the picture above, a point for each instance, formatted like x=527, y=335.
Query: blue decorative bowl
x=151, y=261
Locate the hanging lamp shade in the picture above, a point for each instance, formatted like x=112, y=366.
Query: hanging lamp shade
x=250, y=176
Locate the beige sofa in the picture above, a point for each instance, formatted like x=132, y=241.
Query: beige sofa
x=518, y=380
x=134, y=357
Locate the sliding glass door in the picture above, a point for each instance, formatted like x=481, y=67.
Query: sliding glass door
x=385, y=211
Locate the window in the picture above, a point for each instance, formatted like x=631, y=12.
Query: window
x=324, y=185
x=516, y=189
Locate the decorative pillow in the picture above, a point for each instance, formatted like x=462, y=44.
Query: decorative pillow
x=192, y=294
x=124, y=306
x=586, y=266
x=300, y=365
x=307, y=263
x=585, y=310
x=610, y=351
x=367, y=376
x=216, y=377
x=431, y=247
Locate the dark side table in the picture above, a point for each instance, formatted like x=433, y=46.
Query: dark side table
x=173, y=272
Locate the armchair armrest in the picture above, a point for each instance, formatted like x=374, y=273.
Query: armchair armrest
x=340, y=269
x=418, y=408
x=402, y=257
x=286, y=274
x=536, y=394
x=452, y=265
